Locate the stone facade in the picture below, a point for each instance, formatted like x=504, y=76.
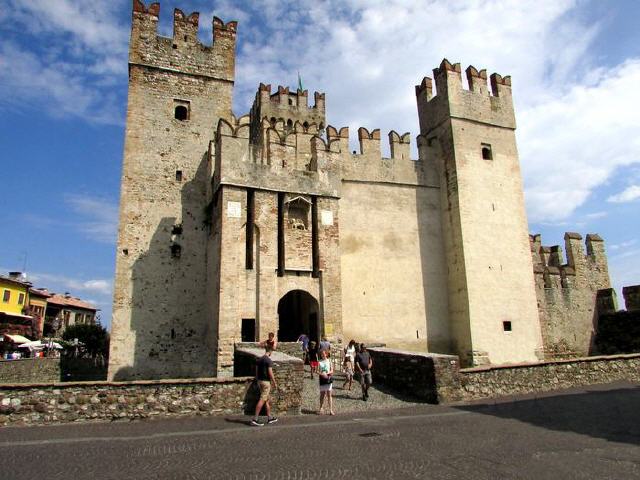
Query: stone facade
x=84, y=401
x=567, y=293
x=30, y=370
x=235, y=226
x=439, y=379
x=496, y=381
x=432, y=378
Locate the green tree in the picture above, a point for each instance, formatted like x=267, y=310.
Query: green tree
x=94, y=337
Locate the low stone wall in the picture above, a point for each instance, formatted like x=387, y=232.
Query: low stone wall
x=496, y=381
x=48, y=403
x=430, y=377
x=30, y=370
x=288, y=371
x=293, y=349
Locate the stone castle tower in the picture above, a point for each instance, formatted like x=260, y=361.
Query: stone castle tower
x=233, y=227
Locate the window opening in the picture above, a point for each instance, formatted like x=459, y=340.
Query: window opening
x=181, y=113
x=486, y=152
x=6, y=296
x=506, y=326
x=178, y=175
x=176, y=250
x=21, y=299
x=248, y=330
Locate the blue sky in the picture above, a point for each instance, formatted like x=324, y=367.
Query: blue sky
x=63, y=79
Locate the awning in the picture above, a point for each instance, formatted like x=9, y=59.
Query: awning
x=16, y=338
x=16, y=315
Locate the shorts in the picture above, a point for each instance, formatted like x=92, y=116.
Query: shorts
x=265, y=390
x=365, y=378
x=326, y=388
x=314, y=364
x=348, y=369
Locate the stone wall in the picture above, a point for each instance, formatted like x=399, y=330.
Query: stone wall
x=48, y=403
x=618, y=331
x=30, y=370
x=288, y=371
x=567, y=291
x=432, y=378
x=505, y=380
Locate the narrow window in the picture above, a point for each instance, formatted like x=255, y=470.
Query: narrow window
x=176, y=229
x=315, y=248
x=178, y=175
x=289, y=124
x=486, y=152
x=280, y=234
x=6, y=296
x=290, y=101
x=125, y=251
x=176, y=250
x=21, y=299
x=248, y=330
x=305, y=125
x=249, y=229
x=506, y=326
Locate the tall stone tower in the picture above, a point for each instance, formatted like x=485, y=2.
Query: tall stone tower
x=470, y=134
x=178, y=90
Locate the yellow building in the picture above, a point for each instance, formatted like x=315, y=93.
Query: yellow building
x=14, y=294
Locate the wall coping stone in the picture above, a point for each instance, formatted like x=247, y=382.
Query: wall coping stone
x=175, y=381
x=414, y=354
x=276, y=356
x=487, y=368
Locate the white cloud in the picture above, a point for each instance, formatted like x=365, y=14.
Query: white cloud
x=61, y=57
x=100, y=216
x=62, y=283
x=625, y=244
x=629, y=194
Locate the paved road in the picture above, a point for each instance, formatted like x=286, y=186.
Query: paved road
x=579, y=434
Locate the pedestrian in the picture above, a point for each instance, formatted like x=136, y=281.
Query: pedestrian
x=265, y=380
x=304, y=340
x=271, y=341
x=312, y=354
x=325, y=345
x=363, y=367
x=347, y=364
x=325, y=378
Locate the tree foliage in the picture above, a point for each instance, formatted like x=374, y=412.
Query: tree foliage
x=95, y=338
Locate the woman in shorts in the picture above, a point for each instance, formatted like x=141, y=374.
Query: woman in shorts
x=312, y=354
x=347, y=364
x=325, y=376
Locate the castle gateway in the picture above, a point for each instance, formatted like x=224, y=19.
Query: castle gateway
x=232, y=227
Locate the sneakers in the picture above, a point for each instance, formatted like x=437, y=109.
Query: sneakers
x=257, y=423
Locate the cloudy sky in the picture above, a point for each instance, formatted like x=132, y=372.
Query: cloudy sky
x=63, y=83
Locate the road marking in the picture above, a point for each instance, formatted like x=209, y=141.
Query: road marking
x=247, y=428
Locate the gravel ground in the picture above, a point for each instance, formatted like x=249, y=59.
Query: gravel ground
x=350, y=400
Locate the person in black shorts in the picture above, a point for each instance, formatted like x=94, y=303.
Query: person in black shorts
x=265, y=379
x=363, y=367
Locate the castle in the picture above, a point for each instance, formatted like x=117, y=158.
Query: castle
x=232, y=227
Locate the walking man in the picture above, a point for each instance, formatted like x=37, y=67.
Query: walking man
x=363, y=367
x=265, y=379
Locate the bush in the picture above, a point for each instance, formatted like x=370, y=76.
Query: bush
x=95, y=338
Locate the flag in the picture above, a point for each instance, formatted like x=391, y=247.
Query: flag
x=300, y=83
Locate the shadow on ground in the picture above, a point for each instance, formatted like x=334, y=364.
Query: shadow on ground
x=613, y=414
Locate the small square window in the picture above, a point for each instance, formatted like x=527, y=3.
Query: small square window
x=487, y=154
x=181, y=110
x=6, y=296
x=506, y=326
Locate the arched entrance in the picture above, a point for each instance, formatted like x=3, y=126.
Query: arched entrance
x=297, y=313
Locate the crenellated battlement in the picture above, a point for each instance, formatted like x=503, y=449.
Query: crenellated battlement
x=183, y=52
x=478, y=103
x=549, y=260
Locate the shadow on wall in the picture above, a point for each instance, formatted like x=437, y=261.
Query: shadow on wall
x=174, y=336
x=609, y=414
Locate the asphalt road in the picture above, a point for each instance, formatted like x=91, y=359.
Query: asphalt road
x=579, y=434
